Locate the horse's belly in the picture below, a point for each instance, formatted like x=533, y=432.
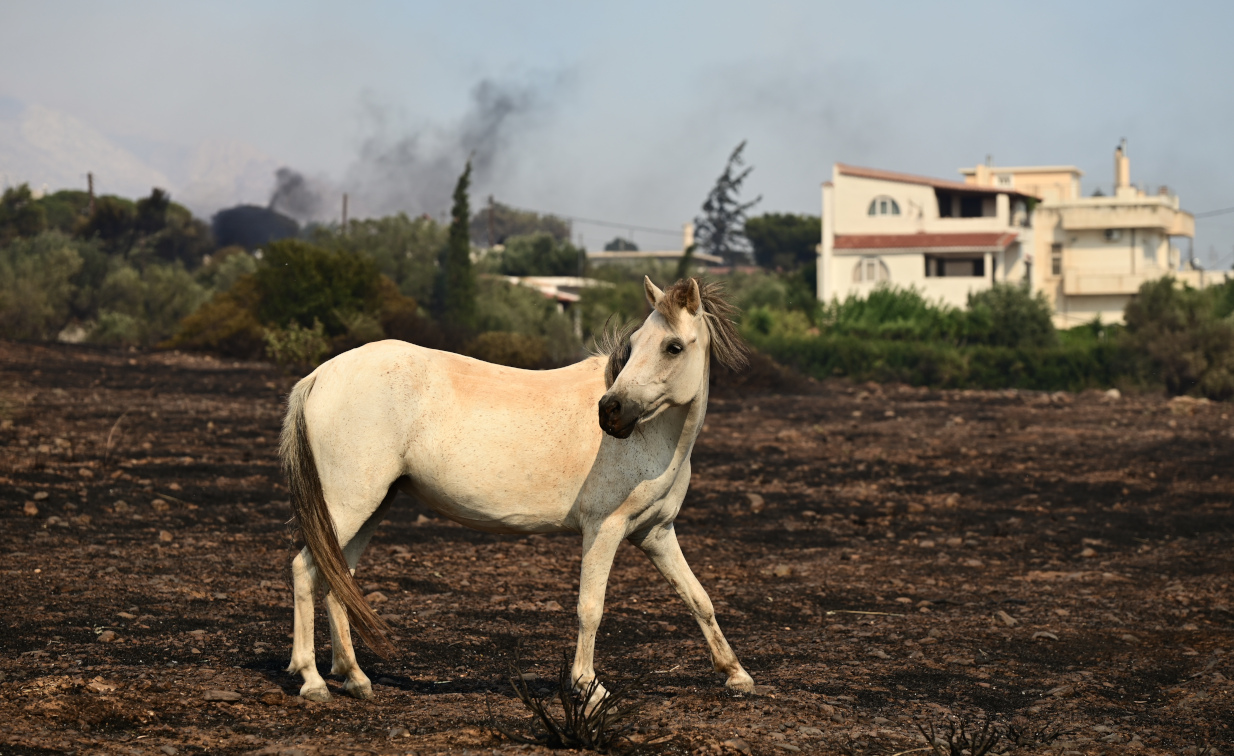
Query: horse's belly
x=495, y=510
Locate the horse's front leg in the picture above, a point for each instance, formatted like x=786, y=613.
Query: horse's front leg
x=599, y=548
x=660, y=545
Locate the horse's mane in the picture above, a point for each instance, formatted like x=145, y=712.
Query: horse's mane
x=727, y=346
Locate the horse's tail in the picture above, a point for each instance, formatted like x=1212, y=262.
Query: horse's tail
x=316, y=526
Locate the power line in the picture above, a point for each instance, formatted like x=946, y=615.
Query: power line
x=1211, y=213
x=593, y=221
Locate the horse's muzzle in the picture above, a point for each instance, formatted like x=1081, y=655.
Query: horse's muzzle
x=617, y=419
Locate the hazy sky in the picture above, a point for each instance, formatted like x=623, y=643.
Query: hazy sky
x=626, y=111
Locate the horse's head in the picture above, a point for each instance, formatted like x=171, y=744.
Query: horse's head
x=665, y=362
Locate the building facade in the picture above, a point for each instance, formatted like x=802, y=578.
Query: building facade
x=1088, y=255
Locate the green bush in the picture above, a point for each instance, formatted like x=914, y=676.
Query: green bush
x=36, y=285
x=303, y=283
x=144, y=307
x=227, y=324
x=1187, y=335
x=404, y=249
x=296, y=347
x=517, y=309
x=540, y=254
x=512, y=349
x=1007, y=315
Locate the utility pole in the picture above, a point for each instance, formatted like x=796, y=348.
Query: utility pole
x=344, y=213
x=491, y=239
x=90, y=190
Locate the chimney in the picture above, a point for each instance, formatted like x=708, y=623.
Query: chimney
x=687, y=236
x=1122, y=168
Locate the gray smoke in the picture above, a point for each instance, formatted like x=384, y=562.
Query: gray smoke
x=296, y=196
x=416, y=173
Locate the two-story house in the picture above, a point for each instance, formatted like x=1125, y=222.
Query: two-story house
x=947, y=238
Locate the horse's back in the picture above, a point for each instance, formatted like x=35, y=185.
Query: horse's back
x=494, y=447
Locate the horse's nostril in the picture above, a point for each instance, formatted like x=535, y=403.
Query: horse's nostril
x=610, y=406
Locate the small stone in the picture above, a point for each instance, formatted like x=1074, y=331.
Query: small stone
x=399, y=732
x=40, y=495
x=552, y=606
x=973, y=562
x=1006, y=619
x=160, y=506
x=376, y=597
x=1129, y=638
x=107, y=636
x=221, y=695
x=1112, y=395
x=756, y=502
x=737, y=744
x=879, y=653
x=812, y=732
x=926, y=544
x=219, y=596
x=165, y=536
x=1088, y=553
x=126, y=615
x=120, y=507
x=955, y=542
x=169, y=750
x=1044, y=634
x=86, y=472
x=1062, y=691
x=30, y=509
x=273, y=697
x=915, y=508
x=782, y=570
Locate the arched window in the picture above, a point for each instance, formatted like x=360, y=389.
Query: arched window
x=870, y=270
x=883, y=205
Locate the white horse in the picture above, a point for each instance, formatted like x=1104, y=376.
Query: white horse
x=505, y=451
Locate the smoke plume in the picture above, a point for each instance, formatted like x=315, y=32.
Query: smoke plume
x=416, y=173
x=295, y=196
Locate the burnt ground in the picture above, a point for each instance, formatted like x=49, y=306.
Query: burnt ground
x=879, y=557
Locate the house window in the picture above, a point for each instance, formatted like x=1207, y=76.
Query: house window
x=883, y=206
x=1113, y=234
x=954, y=267
x=870, y=270
x=1003, y=180
x=1056, y=259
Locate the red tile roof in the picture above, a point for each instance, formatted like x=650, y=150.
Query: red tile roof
x=978, y=241
x=908, y=178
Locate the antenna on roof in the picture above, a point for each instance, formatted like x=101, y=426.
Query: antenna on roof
x=989, y=160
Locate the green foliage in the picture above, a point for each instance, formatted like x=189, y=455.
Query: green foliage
x=36, y=285
x=1007, y=315
x=227, y=324
x=301, y=282
x=518, y=350
x=784, y=241
x=144, y=307
x=518, y=309
x=405, y=249
x=508, y=222
x=540, y=254
x=112, y=222
x=296, y=347
x=1187, y=335
x=454, y=296
x=20, y=214
x=66, y=209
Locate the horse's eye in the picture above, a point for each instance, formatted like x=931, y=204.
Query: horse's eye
x=673, y=348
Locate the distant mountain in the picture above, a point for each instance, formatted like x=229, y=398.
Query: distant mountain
x=47, y=148
x=50, y=149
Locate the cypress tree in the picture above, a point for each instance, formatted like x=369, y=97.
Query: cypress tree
x=454, y=296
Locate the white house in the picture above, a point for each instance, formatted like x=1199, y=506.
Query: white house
x=1089, y=255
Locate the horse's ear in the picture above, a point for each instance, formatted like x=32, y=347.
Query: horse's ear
x=654, y=295
x=694, y=299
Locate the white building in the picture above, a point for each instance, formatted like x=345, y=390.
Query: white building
x=1089, y=255
x=946, y=238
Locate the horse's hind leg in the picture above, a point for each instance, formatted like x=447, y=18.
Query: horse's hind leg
x=660, y=545
x=303, y=658
x=344, y=655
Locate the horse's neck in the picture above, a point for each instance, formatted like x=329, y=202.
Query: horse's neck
x=681, y=426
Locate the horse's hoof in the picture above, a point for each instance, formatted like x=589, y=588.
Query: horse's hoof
x=320, y=695
x=363, y=691
x=740, y=683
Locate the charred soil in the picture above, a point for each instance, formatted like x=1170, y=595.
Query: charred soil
x=879, y=557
